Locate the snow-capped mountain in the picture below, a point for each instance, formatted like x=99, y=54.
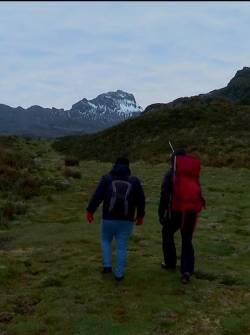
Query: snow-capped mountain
x=109, y=106
x=85, y=116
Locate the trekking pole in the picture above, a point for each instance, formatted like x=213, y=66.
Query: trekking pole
x=171, y=146
x=174, y=157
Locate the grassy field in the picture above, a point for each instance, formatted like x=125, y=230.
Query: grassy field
x=50, y=263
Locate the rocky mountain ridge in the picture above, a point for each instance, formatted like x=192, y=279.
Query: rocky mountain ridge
x=237, y=91
x=85, y=116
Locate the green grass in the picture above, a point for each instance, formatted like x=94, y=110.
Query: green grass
x=27, y=169
x=50, y=261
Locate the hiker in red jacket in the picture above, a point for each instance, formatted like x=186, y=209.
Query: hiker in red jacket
x=180, y=202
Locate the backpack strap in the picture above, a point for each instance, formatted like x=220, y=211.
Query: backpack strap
x=114, y=193
x=126, y=198
x=113, y=198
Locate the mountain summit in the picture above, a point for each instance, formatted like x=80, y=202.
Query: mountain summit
x=108, y=106
x=237, y=90
x=85, y=116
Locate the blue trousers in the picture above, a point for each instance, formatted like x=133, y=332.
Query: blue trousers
x=121, y=231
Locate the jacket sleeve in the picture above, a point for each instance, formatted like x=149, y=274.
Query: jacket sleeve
x=165, y=195
x=98, y=195
x=140, y=199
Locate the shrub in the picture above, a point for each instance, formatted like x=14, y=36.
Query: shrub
x=69, y=172
x=61, y=185
x=3, y=220
x=47, y=190
x=16, y=158
x=70, y=161
x=50, y=282
x=8, y=177
x=29, y=186
x=10, y=209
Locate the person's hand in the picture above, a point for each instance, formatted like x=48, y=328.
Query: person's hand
x=89, y=217
x=139, y=221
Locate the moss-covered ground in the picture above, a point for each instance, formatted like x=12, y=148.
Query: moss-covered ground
x=50, y=261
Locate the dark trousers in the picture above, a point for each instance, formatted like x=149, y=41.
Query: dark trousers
x=186, y=224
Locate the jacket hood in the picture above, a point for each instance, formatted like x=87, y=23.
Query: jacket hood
x=120, y=170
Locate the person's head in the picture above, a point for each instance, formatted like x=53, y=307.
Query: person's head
x=178, y=152
x=122, y=161
x=121, y=167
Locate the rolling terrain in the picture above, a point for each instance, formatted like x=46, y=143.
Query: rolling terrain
x=50, y=258
x=217, y=132
x=214, y=126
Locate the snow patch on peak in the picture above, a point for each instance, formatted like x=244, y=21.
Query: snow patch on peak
x=128, y=107
x=121, y=94
x=108, y=108
x=92, y=105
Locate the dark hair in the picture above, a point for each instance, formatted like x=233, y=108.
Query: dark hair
x=122, y=160
x=179, y=152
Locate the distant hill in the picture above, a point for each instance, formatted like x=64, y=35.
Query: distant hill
x=85, y=116
x=237, y=91
x=213, y=125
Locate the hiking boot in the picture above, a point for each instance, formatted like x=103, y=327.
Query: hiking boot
x=119, y=278
x=185, y=277
x=167, y=266
x=107, y=269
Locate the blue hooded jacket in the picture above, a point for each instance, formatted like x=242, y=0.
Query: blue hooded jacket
x=136, y=201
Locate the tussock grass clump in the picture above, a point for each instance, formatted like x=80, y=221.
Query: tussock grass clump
x=71, y=161
x=14, y=158
x=9, y=210
x=8, y=177
x=70, y=172
x=29, y=186
x=61, y=185
x=50, y=282
x=47, y=189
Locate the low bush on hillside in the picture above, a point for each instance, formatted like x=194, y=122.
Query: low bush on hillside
x=25, y=174
x=71, y=161
x=70, y=172
x=10, y=209
x=29, y=186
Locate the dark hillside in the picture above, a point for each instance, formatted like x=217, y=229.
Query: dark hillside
x=237, y=90
x=218, y=131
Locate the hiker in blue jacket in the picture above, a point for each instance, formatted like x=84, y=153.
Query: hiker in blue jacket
x=123, y=203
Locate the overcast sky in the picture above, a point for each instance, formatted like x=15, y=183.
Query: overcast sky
x=56, y=53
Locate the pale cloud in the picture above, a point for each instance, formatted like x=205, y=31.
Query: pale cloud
x=56, y=53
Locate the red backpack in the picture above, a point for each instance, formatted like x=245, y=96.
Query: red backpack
x=186, y=186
